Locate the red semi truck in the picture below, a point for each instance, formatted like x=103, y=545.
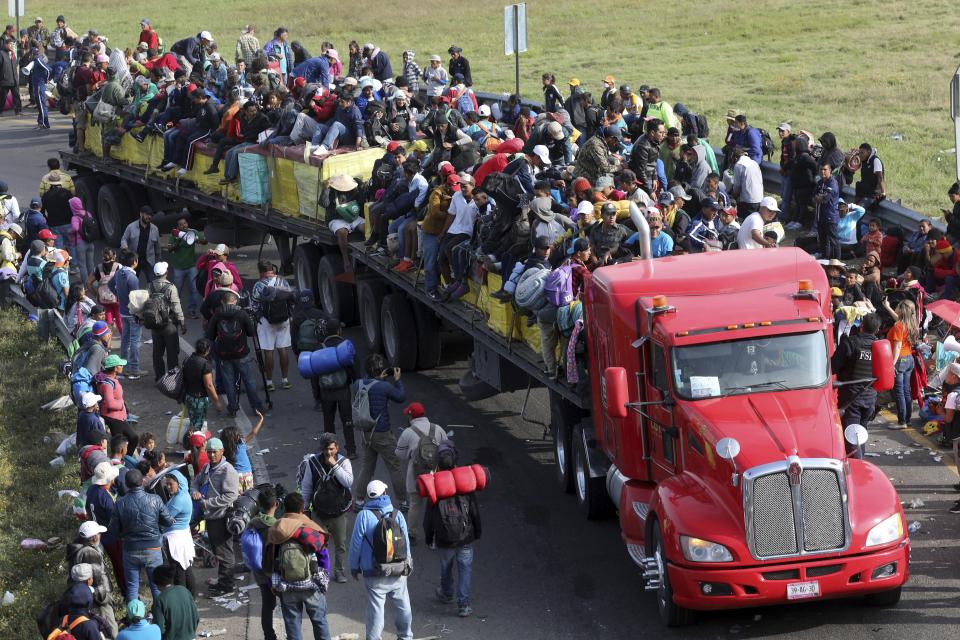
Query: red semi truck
x=716, y=436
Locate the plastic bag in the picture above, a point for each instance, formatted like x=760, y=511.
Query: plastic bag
x=178, y=426
x=69, y=444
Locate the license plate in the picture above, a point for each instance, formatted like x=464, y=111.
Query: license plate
x=802, y=590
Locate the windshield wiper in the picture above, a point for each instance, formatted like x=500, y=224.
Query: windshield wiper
x=781, y=384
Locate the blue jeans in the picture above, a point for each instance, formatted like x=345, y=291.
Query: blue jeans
x=327, y=135
x=397, y=226
x=133, y=562
x=380, y=589
x=464, y=557
x=61, y=232
x=245, y=368
x=292, y=604
x=786, y=194
x=231, y=161
x=431, y=251
x=84, y=257
x=903, y=370
x=183, y=281
x=130, y=343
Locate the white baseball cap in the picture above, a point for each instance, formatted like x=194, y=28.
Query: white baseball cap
x=205, y=35
x=770, y=203
x=105, y=473
x=89, y=399
x=483, y=110
x=376, y=488
x=220, y=250
x=543, y=153
x=160, y=269
x=91, y=528
x=214, y=56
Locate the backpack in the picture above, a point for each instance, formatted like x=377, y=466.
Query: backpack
x=529, y=292
x=62, y=632
x=251, y=549
x=311, y=334
x=766, y=144
x=40, y=290
x=104, y=294
x=81, y=380
x=296, y=564
x=336, y=379
x=456, y=526
x=425, y=455
x=361, y=407
x=89, y=228
x=558, y=285
x=330, y=498
x=276, y=302
x=200, y=282
x=389, y=546
x=230, y=340
x=703, y=129
x=382, y=176
x=156, y=310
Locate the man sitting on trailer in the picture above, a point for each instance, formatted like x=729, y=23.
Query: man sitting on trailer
x=177, y=142
x=346, y=127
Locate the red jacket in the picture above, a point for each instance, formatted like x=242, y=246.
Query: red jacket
x=207, y=262
x=151, y=38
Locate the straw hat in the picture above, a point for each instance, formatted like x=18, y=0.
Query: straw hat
x=343, y=182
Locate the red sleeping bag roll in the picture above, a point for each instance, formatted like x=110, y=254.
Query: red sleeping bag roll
x=459, y=480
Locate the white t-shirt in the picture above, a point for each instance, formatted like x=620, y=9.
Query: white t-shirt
x=745, y=240
x=951, y=402
x=465, y=214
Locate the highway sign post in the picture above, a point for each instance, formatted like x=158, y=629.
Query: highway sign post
x=955, y=116
x=515, y=35
x=15, y=10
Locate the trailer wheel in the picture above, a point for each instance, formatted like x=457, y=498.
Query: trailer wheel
x=87, y=188
x=671, y=614
x=306, y=262
x=591, y=492
x=399, y=332
x=370, y=293
x=562, y=454
x=112, y=207
x=884, y=598
x=337, y=298
x=429, y=344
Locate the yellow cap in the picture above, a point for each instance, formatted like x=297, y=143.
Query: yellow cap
x=574, y=82
x=419, y=145
x=835, y=292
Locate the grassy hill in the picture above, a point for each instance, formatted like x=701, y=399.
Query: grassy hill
x=866, y=70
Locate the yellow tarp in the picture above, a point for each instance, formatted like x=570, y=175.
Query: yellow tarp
x=500, y=317
x=283, y=186
x=356, y=164
x=206, y=183
x=94, y=139
x=308, y=184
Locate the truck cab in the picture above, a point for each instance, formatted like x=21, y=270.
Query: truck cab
x=719, y=439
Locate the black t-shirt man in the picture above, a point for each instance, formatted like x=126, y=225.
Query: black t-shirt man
x=194, y=368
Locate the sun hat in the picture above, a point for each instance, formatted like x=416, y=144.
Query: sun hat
x=15, y=228
x=343, y=183
x=376, y=488
x=574, y=82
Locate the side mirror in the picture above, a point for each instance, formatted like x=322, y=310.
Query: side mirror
x=882, y=362
x=856, y=435
x=728, y=448
x=614, y=393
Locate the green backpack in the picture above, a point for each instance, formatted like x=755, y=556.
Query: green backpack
x=296, y=565
x=311, y=334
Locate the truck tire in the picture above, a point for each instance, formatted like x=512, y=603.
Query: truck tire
x=671, y=614
x=562, y=438
x=399, y=332
x=306, y=261
x=337, y=298
x=370, y=293
x=112, y=208
x=429, y=343
x=591, y=493
x=87, y=188
x=884, y=598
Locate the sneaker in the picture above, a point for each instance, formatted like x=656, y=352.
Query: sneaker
x=899, y=426
x=403, y=266
x=270, y=387
x=285, y=384
x=139, y=136
x=306, y=152
x=442, y=597
x=379, y=252
x=133, y=376
x=339, y=577
x=465, y=611
x=459, y=292
x=435, y=295
x=320, y=151
x=182, y=171
x=167, y=166
x=956, y=507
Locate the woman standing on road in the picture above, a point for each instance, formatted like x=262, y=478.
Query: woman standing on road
x=235, y=451
x=80, y=250
x=99, y=280
x=902, y=336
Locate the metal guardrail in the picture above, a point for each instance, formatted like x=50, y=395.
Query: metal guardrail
x=890, y=211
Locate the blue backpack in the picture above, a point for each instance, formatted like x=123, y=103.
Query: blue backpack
x=81, y=380
x=251, y=549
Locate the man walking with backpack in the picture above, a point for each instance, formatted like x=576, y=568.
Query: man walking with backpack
x=417, y=451
x=121, y=285
x=325, y=480
x=371, y=415
x=379, y=549
x=273, y=302
x=163, y=315
x=334, y=391
x=452, y=525
x=217, y=487
x=229, y=329
x=296, y=545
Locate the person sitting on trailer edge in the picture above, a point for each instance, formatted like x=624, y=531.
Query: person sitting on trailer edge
x=344, y=214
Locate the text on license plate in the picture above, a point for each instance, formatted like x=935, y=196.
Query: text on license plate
x=801, y=590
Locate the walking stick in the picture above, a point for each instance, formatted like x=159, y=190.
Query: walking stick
x=263, y=375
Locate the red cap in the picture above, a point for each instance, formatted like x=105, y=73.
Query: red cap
x=446, y=169
x=445, y=99
x=46, y=234
x=414, y=410
x=453, y=179
x=392, y=146
x=198, y=439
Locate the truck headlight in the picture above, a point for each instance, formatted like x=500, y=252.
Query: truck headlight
x=697, y=550
x=887, y=531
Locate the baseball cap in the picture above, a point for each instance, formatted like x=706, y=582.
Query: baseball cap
x=88, y=399
x=836, y=292
x=160, y=269
x=81, y=572
x=105, y=473
x=414, y=410
x=17, y=229
x=91, y=528
x=680, y=192
x=483, y=110
x=574, y=82
x=612, y=132
x=666, y=198
x=954, y=368
x=113, y=360
x=710, y=203
x=541, y=152
x=221, y=250
x=205, y=35
x=145, y=21
x=555, y=130
x=434, y=58
x=34, y=202
x=784, y=126
x=214, y=444
x=376, y=488
x=136, y=609
x=770, y=203
x=46, y=234
x=392, y=146
x=102, y=58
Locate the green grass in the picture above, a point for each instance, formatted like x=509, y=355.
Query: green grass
x=28, y=484
x=862, y=69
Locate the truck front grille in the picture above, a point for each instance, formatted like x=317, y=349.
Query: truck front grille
x=784, y=520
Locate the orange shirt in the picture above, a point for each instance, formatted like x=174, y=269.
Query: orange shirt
x=898, y=333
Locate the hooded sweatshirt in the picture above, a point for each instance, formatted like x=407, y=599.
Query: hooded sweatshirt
x=77, y=214
x=361, y=542
x=831, y=153
x=701, y=169
x=180, y=506
x=208, y=263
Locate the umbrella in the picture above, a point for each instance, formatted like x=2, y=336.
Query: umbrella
x=948, y=310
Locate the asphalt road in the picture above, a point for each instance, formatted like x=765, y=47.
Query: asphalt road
x=541, y=571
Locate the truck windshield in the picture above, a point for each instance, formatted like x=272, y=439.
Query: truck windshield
x=751, y=365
